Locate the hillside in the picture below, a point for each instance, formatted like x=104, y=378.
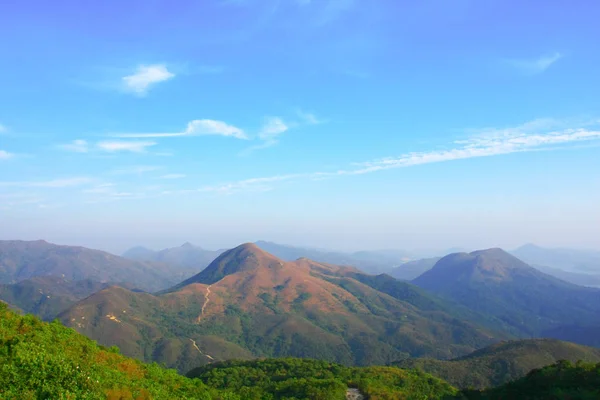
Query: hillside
x=559, y=381
x=502, y=362
x=46, y=360
x=248, y=303
x=186, y=256
x=47, y=296
x=498, y=284
x=20, y=260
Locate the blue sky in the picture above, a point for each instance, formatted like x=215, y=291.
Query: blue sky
x=347, y=124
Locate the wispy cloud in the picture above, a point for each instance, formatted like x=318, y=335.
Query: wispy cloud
x=119, y=145
x=269, y=134
x=333, y=9
x=536, y=66
x=77, y=146
x=198, y=127
x=5, y=155
x=309, y=118
x=54, y=183
x=2, y=128
x=146, y=76
x=533, y=136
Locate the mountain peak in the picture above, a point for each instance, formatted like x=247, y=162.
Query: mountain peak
x=187, y=245
x=492, y=264
x=245, y=257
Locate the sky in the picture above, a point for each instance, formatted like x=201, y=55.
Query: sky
x=342, y=124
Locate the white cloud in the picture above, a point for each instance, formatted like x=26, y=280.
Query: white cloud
x=5, y=155
x=272, y=128
x=536, y=66
x=2, y=128
x=77, y=146
x=54, y=183
x=172, y=176
x=119, y=145
x=145, y=76
x=198, y=127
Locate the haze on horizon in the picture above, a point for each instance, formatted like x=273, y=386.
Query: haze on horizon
x=339, y=124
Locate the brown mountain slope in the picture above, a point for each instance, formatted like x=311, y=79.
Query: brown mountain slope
x=20, y=260
x=258, y=305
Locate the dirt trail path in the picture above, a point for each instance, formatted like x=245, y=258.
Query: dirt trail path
x=354, y=394
x=206, y=301
x=200, y=351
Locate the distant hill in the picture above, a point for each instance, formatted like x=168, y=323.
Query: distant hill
x=47, y=296
x=21, y=260
x=559, y=381
x=368, y=261
x=186, y=256
x=586, y=261
x=412, y=269
x=498, y=284
x=502, y=362
x=248, y=303
x=577, y=278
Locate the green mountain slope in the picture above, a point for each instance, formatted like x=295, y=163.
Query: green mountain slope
x=248, y=303
x=502, y=362
x=20, y=260
x=500, y=285
x=48, y=361
x=560, y=381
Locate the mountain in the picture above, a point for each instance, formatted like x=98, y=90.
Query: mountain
x=412, y=269
x=587, y=261
x=367, y=261
x=248, y=303
x=502, y=362
x=47, y=296
x=186, y=256
x=20, y=260
x=498, y=284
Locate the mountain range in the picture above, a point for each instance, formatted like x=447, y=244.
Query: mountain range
x=185, y=256
x=21, y=260
x=248, y=303
x=571, y=260
x=367, y=261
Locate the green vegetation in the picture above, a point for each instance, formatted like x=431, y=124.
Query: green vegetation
x=562, y=380
x=319, y=380
x=40, y=360
x=502, y=362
